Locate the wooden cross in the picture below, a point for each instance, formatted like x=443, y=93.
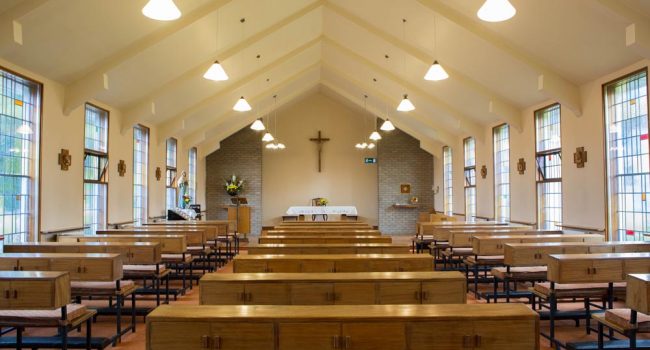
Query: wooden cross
x=320, y=140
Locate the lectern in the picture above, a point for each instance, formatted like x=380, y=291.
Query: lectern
x=241, y=214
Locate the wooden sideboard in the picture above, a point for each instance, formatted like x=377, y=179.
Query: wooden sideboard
x=355, y=288
x=386, y=327
x=596, y=268
x=536, y=254
x=34, y=289
x=333, y=263
x=323, y=239
x=333, y=248
x=81, y=267
x=138, y=253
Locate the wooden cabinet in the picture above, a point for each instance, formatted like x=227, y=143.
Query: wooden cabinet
x=596, y=268
x=231, y=293
x=414, y=327
x=495, y=245
x=80, y=266
x=444, y=292
x=130, y=252
x=20, y=290
x=333, y=263
x=399, y=292
x=308, y=293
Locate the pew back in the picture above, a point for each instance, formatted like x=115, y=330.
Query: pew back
x=536, y=254
x=494, y=245
x=131, y=252
x=370, y=248
x=463, y=238
x=323, y=239
x=81, y=267
x=192, y=236
x=596, y=268
x=169, y=244
x=40, y=290
x=333, y=263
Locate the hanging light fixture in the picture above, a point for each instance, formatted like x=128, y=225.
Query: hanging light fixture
x=267, y=137
x=435, y=72
x=371, y=146
x=271, y=146
x=387, y=125
x=216, y=72
x=161, y=10
x=496, y=11
x=242, y=105
x=258, y=125
x=405, y=105
x=24, y=129
x=375, y=136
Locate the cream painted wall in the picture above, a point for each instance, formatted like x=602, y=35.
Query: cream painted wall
x=291, y=177
x=61, y=201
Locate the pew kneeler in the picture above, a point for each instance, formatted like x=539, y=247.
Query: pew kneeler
x=157, y=273
x=509, y=274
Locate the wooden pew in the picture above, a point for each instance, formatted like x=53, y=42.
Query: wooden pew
x=289, y=327
x=437, y=233
x=355, y=288
x=333, y=263
x=587, y=275
x=169, y=244
x=41, y=299
x=223, y=231
x=131, y=252
x=494, y=245
x=81, y=267
x=323, y=239
x=196, y=237
x=322, y=228
x=322, y=233
x=334, y=248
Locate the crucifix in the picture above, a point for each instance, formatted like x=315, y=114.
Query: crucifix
x=320, y=140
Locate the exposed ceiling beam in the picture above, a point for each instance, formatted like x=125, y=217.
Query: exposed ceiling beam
x=178, y=123
x=496, y=106
x=11, y=30
x=426, y=143
x=463, y=123
x=550, y=83
x=442, y=135
x=213, y=141
x=93, y=82
x=637, y=33
x=145, y=107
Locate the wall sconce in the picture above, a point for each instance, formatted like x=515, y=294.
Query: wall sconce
x=580, y=157
x=483, y=172
x=65, y=159
x=121, y=167
x=158, y=173
x=521, y=166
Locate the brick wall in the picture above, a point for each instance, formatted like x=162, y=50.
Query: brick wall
x=240, y=154
x=401, y=160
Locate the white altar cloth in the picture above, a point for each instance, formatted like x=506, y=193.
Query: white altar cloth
x=323, y=210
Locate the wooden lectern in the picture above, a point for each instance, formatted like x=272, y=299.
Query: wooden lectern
x=241, y=214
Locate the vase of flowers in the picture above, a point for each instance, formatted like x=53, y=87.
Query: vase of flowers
x=321, y=202
x=234, y=186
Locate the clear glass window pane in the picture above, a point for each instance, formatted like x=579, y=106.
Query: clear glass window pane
x=140, y=166
x=501, y=140
x=548, y=164
x=447, y=181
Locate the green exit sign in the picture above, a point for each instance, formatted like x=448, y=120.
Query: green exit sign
x=370, y=160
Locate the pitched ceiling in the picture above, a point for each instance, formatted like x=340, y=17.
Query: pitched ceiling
x=152, y=71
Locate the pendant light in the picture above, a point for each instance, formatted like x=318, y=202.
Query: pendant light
x=161, y=10
x=435, y=72
x=371, y=146
x=496, y=11
x=375, y=136
x=405, y=105
x=24, y=129
x=387, y=125
x=278, y=145
x=215, y=72
x=268, y=137
x=258, y=125
x=242, y=105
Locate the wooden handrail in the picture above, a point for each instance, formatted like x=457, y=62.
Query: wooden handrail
x=64, y=230
x=580, y=228
x=121, y=223
x=523, y=223
x=484, y=218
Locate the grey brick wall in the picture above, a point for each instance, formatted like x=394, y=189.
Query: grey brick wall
x=240, y=154
x=401, y=160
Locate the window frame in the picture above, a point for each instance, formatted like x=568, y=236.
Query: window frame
x=34, y=231
x=447, y=199
x=192, y=165
x=494, y=164
x=546, y=153
x=171, y=172
x=606, y=159
x=146, y=168
x=93, y=152
x=467, y=184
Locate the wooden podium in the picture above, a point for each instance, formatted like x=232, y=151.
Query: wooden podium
x=244, y=223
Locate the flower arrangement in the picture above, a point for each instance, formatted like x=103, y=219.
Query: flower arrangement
x=187, y=199
x=234, y=186
x=321, y=202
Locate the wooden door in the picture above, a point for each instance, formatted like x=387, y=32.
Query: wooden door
x=317, y=266
x=267, y=293
x=416, y=264
x=225, y=293
x=444, y=292
x=96, y=269
x=505, y=334
x=399, y=293
x=249, y=266
x=374, y=335
x=31, y=294
x=72, y=265
x=243, y=336
x=355, y=293
x=5, y=294
x=311, y=335
x=280, y=265
x=34, y=264
x=607, y=271
x=352, y=265
x=440, y=335
x=179, y=335
x=311, y=293
x=8, y=264
x=383, y=265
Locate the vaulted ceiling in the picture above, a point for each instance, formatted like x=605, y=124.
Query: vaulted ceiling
x=152, y=71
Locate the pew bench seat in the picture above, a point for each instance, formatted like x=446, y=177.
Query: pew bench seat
x=484, y=260
x=75, y=314
x=449, y=252
x=528, y=273
x=147, y=269
x=622, y=320
x=576, y=290
x=177, y=258
x=127, y=287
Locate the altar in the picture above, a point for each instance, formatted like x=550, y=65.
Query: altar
x=322, y=210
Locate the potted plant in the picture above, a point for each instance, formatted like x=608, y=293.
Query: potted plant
x=234, y=186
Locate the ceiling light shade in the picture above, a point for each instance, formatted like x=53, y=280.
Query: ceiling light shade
x=387, y=126
x=281, y=146
x=371, y=146
x=268, y=137
x=242, y=105
x=436, y=72
x=24, y=129
x=375, y=136
x=405, y=105
x=161, y=10
x=258, y=125
x=216, y=72
x=271, y=146
x=364, y=145
x=358, y=146
x=496, y=11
